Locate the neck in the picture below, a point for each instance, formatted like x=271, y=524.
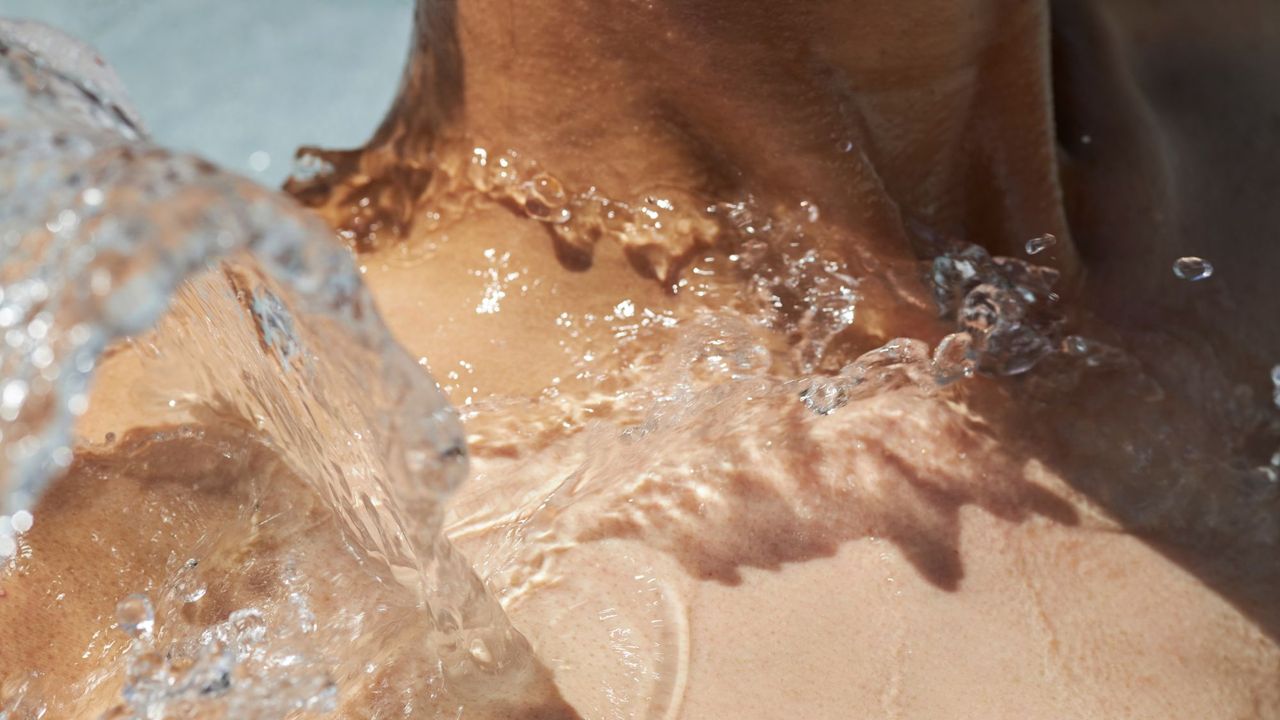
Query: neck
x=879, y=115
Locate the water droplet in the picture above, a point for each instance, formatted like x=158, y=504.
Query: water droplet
x=259, y=161
x=1192, y=268
x=1037, y=245
x=22, y=521
x=136, y=616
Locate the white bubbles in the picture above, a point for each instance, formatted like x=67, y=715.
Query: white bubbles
x=38, y=328
x=100, y=281
x=66, y=220
x=8, y=546
x=624, y=309
x=22, y=521
x=1192, y=268
x=259, y=161
x=92, y=197
x=12, y=395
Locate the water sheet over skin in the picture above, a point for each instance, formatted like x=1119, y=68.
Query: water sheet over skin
x=752, y=422
x=260, y=322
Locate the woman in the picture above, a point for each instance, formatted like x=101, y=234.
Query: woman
x=759, y=426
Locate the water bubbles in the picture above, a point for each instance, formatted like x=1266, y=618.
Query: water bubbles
x=188, y=587
x=545, y=199
x=136, y=616
x=259, y=161
x=21, y=521
x=12, y=395
x=824, y=395
x=1005, y=305
x=65, y=220
x=624, y=309
x=100, y=281
x=249, y=626
x=92, y=197
x=1037, y=245
x=1192, y=269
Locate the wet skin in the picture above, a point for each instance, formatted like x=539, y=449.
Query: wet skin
x=987, y=551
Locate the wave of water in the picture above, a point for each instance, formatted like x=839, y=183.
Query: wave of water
x=218, y=298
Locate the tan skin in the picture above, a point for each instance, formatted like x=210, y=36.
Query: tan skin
x=992, y=562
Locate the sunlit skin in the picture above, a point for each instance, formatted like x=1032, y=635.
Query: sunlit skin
x=981, y=551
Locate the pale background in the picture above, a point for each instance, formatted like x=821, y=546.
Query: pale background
x=231, y=78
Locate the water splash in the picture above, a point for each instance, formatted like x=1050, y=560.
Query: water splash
x=221, y=292
x=1006, y=306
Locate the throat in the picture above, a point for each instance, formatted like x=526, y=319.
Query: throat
x=948, y=128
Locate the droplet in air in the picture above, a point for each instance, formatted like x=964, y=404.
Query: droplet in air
x=1192, y=268
x=22, y=521
x=136, y=616
x=1037, y=245
x=259, y=161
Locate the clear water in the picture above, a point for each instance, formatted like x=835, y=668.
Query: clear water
x=223, y=294
x=250, y=350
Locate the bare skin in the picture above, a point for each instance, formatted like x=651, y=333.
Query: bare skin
x=984, y=552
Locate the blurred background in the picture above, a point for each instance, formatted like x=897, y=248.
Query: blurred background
x=245, y=82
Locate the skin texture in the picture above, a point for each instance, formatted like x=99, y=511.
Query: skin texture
x=989, y=550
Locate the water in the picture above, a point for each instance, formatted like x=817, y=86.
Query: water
x=214, y=295
x=313, y=572
x=1040, y=243
x=1192, y=269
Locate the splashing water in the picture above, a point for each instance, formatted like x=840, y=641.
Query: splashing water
x=224, y=307
x=215, y=295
